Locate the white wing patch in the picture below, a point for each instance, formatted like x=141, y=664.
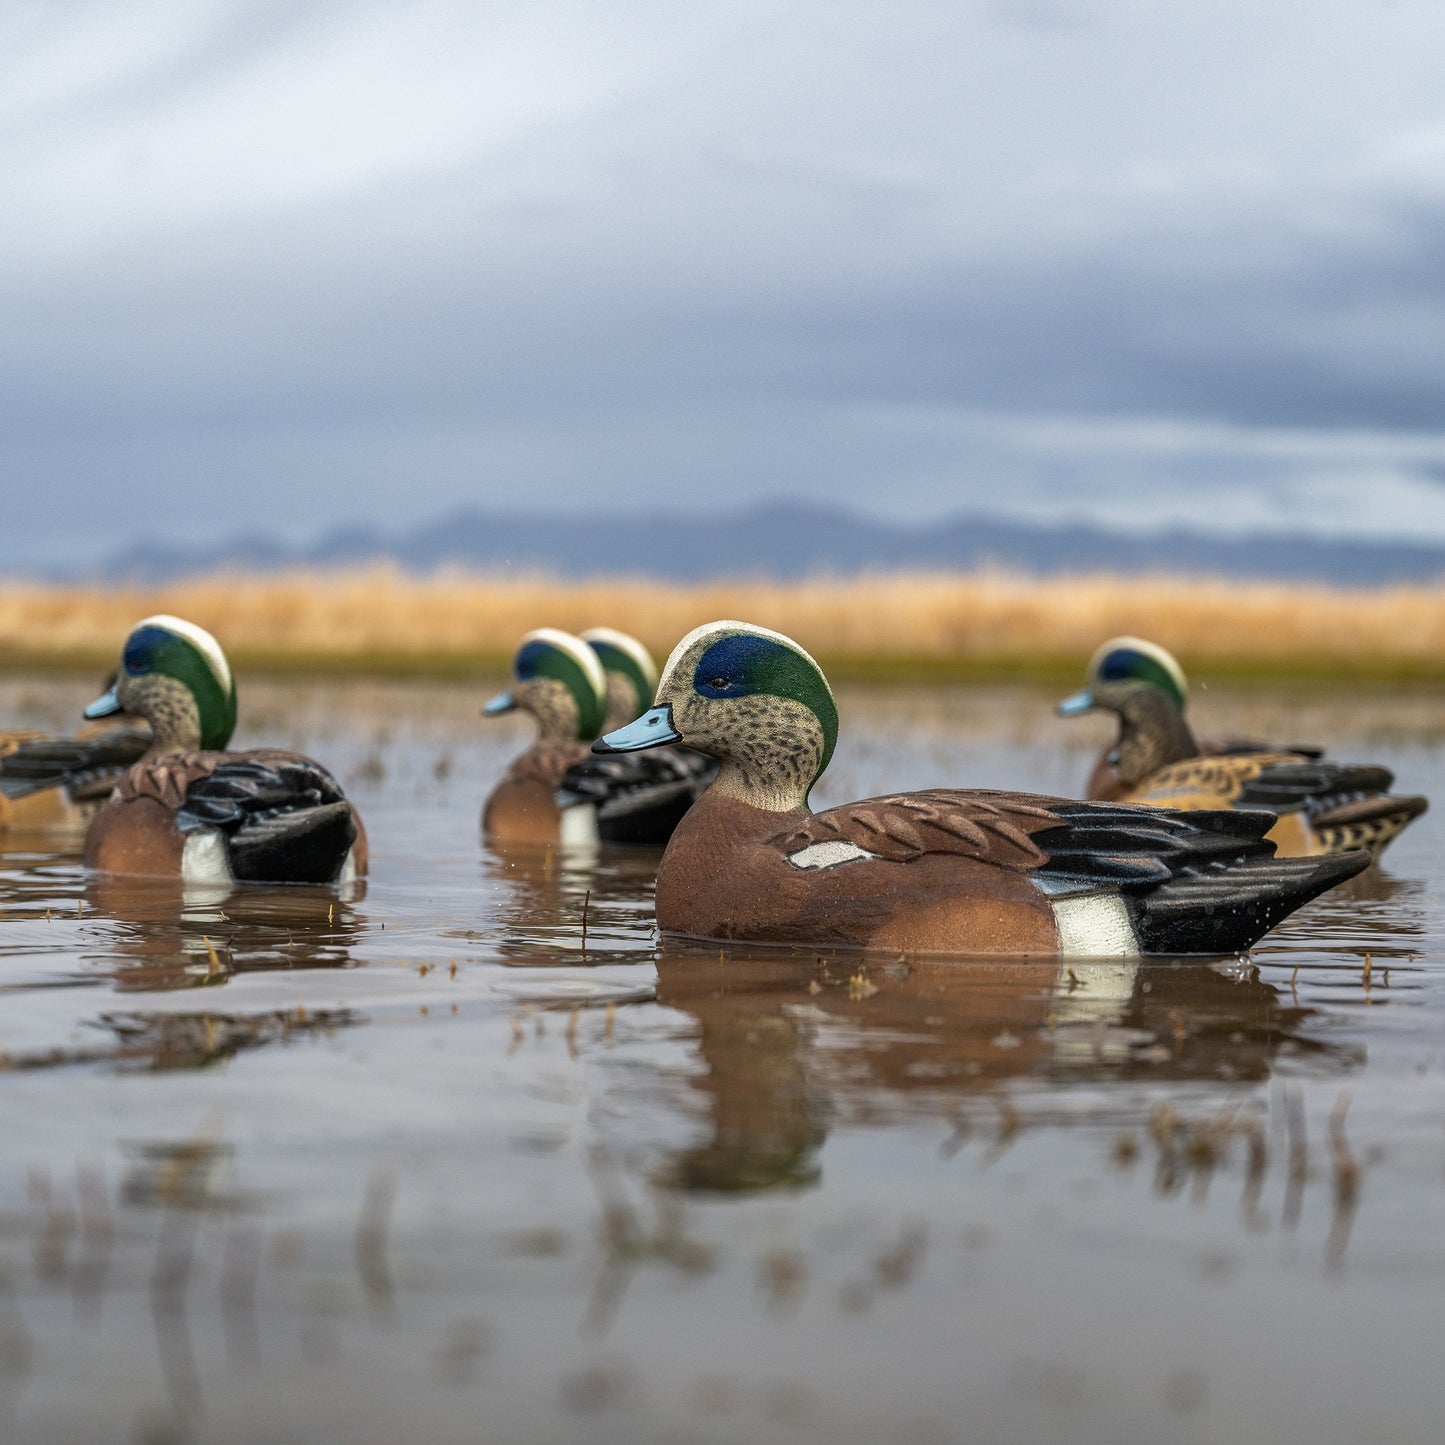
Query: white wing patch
x=829, y=854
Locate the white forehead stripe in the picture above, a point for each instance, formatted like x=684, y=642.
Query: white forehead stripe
x=624, y=642
x=574, y=648
x=199, y=638
x=711, y=631
x=1162, y=656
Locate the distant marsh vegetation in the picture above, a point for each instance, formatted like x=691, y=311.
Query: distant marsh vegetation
x=379, y=619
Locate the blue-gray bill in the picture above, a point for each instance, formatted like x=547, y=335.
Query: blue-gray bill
x=652, y=730
x=106, y=706
x=1077, y=703
x=499, y=704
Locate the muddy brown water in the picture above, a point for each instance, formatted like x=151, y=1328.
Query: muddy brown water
x=424, y=1165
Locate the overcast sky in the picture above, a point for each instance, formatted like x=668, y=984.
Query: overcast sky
x=278, y=266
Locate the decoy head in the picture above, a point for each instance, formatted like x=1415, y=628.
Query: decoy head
x=174, y=674
x=631, y=673
x=558, y=679
x=1125, y=668
x=751, y=698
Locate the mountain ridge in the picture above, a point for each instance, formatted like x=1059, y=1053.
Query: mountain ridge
x=786, y=541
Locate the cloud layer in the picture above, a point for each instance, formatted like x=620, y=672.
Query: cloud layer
x=285, y=265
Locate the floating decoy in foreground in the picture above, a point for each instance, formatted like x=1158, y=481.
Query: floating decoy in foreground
x=974, y=872
x=633, y=798
x=1323, y=807
x=192, y=809
x=558, y=679
x=56, y=784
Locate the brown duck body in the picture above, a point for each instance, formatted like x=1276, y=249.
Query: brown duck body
x=1321, y=807
x=522, y=808
x=1108, y=785
x=981, y=872
x=163, y=801
x=940, y=901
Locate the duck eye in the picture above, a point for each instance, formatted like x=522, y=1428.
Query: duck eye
x=720, y=684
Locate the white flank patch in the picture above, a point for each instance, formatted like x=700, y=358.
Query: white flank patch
x=579, y=826
x=199, y=638
x=829, y=854
x=1094, y=926
x=623, y=642
x=204, y=858
x=348, y=885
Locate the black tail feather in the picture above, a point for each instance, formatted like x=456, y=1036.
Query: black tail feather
x=1228, y=907
x=304, y=845
x=284, y=817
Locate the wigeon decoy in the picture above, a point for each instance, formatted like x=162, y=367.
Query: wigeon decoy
x=981, y=872
x=1322, y=807
x=192, y=809
x=633, y=798
x=558, y=679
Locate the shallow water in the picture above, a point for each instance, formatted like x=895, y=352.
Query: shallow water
x=429, y=1165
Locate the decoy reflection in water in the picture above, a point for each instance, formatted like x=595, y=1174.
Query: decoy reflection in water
x=1322, y=807
x=947, y=870
x=632, y=798
x=55, y=785
x=569, y=905
x=190, y=808
x=557, y=679
x=792, y=1046
x=164, y=933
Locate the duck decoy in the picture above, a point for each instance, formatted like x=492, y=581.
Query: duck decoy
x=52, y=784
x=632, y=798
x=982, y=872
x=558, y=679
x=193, y=809
x=1322, y=807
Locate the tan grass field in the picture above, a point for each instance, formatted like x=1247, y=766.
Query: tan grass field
x=925, y=625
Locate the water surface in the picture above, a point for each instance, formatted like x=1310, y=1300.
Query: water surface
x=428, y=1164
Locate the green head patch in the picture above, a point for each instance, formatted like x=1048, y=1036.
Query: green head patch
x=1131, y=659
x=746, y=664
x=171, y=647
x=620, y=653
x=549, y=653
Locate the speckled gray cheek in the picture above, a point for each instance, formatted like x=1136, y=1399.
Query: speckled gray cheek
x=771, y=748
x=1152, y=730
x=623, y=703
x=168, y=706
x=552, y=704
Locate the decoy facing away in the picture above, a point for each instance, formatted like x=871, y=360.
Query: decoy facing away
x=56, y=784
x=944, y=870
x=192, y=809
x=1323, y=807
x=558, y=679
x=632, y=798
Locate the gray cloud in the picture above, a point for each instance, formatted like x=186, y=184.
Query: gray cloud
x=297, y=264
